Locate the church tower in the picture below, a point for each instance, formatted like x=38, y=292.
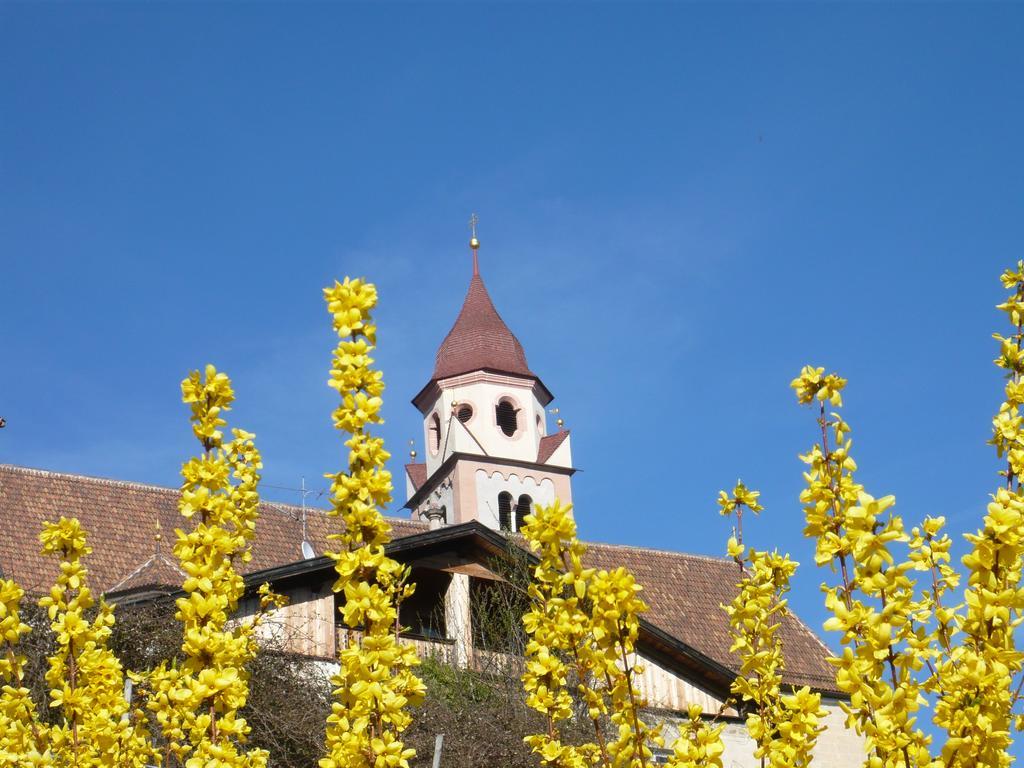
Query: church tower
x=488, y=453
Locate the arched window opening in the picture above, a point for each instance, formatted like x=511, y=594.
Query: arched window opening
x=435, y=433
x=464, y=412
x=523, y=507
x=505, y=511
x=507, y=417
x=540, y=425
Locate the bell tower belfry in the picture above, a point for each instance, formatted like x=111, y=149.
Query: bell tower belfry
x=488, y=453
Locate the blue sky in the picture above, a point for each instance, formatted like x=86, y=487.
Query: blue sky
x=680, y=205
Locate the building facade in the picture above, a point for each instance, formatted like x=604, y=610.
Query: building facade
x=489, y=454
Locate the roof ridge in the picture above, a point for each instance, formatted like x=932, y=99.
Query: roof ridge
x=90, y=478
x=111, y=482
x=634, y=548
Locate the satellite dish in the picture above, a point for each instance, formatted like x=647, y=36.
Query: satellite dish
x=307, y=550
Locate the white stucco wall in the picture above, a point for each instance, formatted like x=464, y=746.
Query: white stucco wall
x=516, y=482
x=837, y=746
x=481, y=434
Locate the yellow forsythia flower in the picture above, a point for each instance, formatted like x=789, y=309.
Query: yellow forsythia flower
x=784, y=727
x=583, y=625
x=375, y=683
x=197, y=703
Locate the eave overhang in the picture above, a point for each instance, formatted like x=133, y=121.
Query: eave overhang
x=654, y=643
x=446, y=467
x=429, y=394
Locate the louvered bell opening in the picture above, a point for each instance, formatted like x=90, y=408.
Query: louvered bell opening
x=506, y=415
x=505, y=511
x=464, y=413
x=523, y=507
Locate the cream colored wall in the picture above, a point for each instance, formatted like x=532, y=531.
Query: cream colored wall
x=837, y=746
x=488, y=484
x=481, y=433
x=562, y=457
x=476, y=486
x=305, y=625
x=663, y=689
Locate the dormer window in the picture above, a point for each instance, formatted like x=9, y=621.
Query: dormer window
x=434, y=433
x=507, y=416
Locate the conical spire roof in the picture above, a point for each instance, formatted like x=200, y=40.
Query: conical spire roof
x=480, y=340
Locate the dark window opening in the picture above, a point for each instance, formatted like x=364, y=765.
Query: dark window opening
x=507, y=417
x=523, y=507
x=464, y=413
x=422, y=614
x=505, y=511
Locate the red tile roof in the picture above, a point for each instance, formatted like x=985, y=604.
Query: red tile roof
x=684, y=591
x=417, y=473
x=549, y=444
x=480, y=340
x=685, y=594
x=120, y=517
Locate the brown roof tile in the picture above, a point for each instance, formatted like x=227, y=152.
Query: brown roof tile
x=684, y=591
x=417, y=473
x=685, y=594
x=480, y=340
x=119, y=518
x=549, y=444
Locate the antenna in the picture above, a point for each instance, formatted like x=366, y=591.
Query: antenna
x=307, y=549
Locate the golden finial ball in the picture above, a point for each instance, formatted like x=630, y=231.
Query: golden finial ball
x=412, y=454
x=474, y=243
x=560, y=423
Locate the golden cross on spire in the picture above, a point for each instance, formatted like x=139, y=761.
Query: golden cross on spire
x=474, y=244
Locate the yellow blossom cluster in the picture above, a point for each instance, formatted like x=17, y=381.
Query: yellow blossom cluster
x=583, y=625
x=978, y=676
x=21, y=739
x=375, y=683
x=784, y=727
x=884, y=623
x=197, y=702
x=96, y=727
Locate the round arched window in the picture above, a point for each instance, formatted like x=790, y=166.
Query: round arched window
x=507, y=416
x=464, y=412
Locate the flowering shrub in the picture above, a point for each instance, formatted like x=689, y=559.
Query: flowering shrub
x=903, y=634
x=910, y=636
x=96, y=726
x=784, y=727
x=375, y=683
x=583, y=625
x=197, y=703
